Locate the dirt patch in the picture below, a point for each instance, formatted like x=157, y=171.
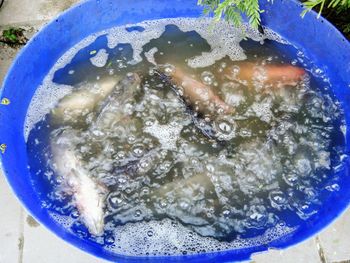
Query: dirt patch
x=32, y=222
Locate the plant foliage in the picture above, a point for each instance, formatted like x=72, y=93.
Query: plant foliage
x=232, y=10
x=13, y=36
x=337, y=11
x=338, y=5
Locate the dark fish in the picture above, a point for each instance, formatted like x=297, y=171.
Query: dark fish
x=206, y=128
x=112, y=110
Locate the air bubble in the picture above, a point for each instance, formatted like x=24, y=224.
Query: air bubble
x=208, y=78
x=291, y=178
x=333, y=187
x=138, y=213
x=225, y=127
x=131, y=139
x=109, y=240
x=226, y=213
x=144, y=164
x=169, y=69
x=163, y=204
x=121, y=154
x=114, y=200
x=277, y=199
x=138, y=150
x=234, y=71
x=184, y=205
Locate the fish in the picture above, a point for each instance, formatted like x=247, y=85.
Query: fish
x=210, y=106
x=72, y=108
x=113, y=109
x=200, y=96
x=87, y=194
x=268, y=74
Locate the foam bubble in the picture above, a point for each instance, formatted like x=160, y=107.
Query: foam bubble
x=46, y=97
x=166, y=134
x=263, y=110
x=150, y=55
x=171, y=238
x=343, y=129
x=65, y=221
x=100, y=59
x=223, y=38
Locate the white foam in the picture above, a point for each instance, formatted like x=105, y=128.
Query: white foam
x=150, y=55
x=100, y=59
x=62, y=220
x=46, y=97
x=223, y=38
x=263, y=110
x=166, y=134
x=174, y=239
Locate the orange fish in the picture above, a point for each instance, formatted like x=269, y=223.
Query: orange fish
x=199, y=95
x=268, y=74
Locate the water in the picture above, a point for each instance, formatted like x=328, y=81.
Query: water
x=175, y=181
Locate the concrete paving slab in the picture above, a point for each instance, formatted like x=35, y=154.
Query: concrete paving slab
x=6, y=56
x=42, y=246
x=335, y=240
x=32, y=11
x=304, y=252
x=10, y=224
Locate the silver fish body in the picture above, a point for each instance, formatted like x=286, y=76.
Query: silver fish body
x=87, y=194
x=75, y=107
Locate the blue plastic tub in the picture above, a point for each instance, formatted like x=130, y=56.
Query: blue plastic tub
x=317, y=38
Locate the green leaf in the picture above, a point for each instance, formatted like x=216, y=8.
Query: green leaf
x=232, y=10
